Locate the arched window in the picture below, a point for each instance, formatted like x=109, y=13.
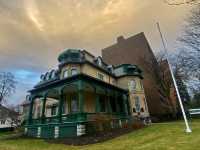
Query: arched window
x=132, y=85
x=137, y=103
x=99, y=61
x=42, y=77
x=65, y=73
x=53, y=74
x=45, y=77
x=74, y=71
x=145, y=104
x=48, y=75
x=141, y=85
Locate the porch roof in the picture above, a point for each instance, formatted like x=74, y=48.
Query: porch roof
x=61, y=82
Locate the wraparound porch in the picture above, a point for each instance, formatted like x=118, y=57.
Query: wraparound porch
x=88, y=100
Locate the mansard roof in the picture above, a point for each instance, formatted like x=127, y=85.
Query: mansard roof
x=77, y=56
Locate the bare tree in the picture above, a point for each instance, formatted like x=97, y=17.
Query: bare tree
x=190, y=49
x=181, y=2
x=7, y=85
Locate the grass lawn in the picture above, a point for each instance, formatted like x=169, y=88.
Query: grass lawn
x=5, y=133
x=161, y=136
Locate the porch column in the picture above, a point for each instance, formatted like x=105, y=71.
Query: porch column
x=43, y=109
x=128, y=105
x=109, y=104
x=97, y=103
x=80, y=96
x=61, y=99
x=30, y=110
x=125, y=103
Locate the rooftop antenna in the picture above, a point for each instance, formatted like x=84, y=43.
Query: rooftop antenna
x=188, y=129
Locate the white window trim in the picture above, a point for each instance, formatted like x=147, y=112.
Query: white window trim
x=66, y=71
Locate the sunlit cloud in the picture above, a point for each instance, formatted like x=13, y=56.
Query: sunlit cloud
x=33, y=13
x=34, y=32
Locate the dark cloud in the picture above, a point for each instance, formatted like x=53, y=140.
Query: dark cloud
x=34, y=32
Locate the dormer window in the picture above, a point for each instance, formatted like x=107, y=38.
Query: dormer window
x=53, y=74
x=130, y=69
x=48, y=76
x=110, y=68
x=42, y=77
x=99, y=61
x=65, y=73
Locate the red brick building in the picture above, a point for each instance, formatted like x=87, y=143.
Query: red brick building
x=136, y=50
x=169, y=86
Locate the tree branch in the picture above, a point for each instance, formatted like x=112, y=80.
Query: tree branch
x=182, y=2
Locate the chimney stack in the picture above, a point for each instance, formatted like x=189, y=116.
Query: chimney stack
x=120, y=39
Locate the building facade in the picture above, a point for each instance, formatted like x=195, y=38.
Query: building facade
x=136, y=50
x=9, y=119
x=82, y=93
x=169, y=85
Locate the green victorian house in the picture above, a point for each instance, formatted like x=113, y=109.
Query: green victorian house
x=85, y=95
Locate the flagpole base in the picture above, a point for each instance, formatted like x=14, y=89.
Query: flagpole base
x=188, y=130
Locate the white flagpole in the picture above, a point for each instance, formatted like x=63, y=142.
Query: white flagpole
x=188, y=129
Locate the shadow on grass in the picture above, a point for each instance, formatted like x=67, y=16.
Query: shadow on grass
x=92, y=138
x=79, y=141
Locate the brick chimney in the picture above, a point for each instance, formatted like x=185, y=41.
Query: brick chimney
x=120, y=39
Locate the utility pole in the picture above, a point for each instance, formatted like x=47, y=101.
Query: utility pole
x=188, y=129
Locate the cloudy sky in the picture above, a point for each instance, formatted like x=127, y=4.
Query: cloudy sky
x=34, y=32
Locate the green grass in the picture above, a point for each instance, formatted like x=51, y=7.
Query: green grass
x=5, y=133
x=161, y=136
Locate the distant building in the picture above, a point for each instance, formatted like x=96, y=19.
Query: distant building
x=8, y=118
x=24, y=110
x=136, y=50
x=84, y=90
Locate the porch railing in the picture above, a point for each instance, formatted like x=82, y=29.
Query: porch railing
x=77, y=117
